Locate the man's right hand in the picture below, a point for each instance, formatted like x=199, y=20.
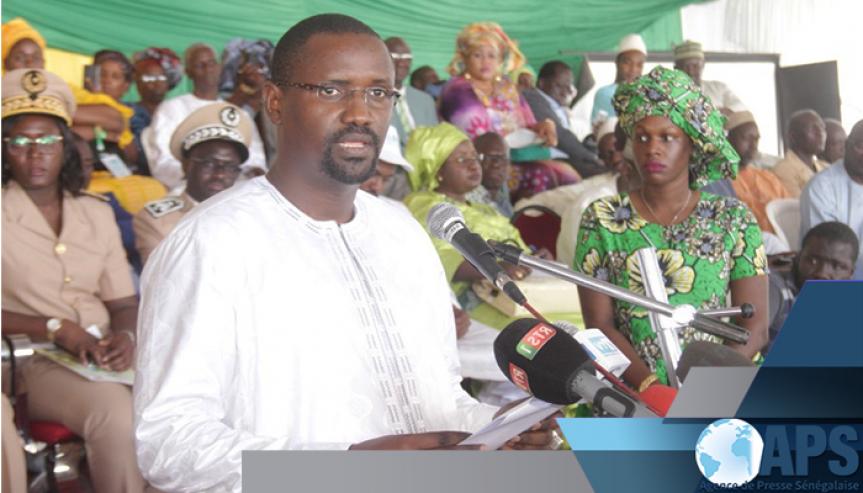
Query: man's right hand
x=437, y=440
x=73, y=338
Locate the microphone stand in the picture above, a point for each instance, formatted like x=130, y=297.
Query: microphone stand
x=681, y=315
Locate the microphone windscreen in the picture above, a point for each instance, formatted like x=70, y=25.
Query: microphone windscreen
x=704, y=353
x=440, y=218
x=659, y=397
x=540, y=358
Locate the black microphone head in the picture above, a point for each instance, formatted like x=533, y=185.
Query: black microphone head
x=440, y=220
x=704, y=353
x=540, y=359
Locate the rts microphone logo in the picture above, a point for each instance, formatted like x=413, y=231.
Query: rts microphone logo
x=534, y=340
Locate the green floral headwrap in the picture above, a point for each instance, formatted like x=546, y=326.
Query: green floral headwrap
x=428, y=149
x=672, y=94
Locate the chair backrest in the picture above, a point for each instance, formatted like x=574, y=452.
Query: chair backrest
x=539, y=227
x=784, y=216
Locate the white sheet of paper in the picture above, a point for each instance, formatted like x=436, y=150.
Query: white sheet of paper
x=510, y=424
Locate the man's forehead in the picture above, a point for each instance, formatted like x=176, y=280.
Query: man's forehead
x=563, y=75
x=397, y=45
x=345, y=57
x=202, y=51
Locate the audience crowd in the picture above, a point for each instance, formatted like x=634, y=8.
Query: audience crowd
x=94, y=182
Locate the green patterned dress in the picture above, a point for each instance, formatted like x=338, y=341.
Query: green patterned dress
x=719, y=242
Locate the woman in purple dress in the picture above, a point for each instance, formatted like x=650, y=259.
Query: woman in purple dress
x=480, y=99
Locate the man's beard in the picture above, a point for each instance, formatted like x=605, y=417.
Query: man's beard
x=342, y=173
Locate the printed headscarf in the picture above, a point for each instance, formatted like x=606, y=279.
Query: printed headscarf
x=478, y=33
x=672, y=94
x=239, y=51
x=428, y=149
x=165, y=58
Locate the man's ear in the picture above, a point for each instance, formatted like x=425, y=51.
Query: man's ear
x=273, y=102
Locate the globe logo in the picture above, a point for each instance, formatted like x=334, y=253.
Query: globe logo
x=728, y=452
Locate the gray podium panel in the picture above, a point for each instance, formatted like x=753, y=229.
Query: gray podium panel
x=712, y=392
x=417, y=472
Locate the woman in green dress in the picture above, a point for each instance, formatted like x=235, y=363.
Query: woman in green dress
x=446, y=168
x=708, y=246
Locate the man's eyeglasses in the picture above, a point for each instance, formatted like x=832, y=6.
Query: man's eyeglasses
x=494, y=158
x=229, y=169
x=374, y=96
x=149, y=79
x=45, y=143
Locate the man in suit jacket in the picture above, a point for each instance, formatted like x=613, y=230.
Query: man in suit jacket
x=414, y=108
x=549, y=100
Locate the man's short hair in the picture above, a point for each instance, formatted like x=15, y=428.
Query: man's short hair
x=187, y=55
x=834, y=231
x=289, y=48
x=551, y=69
x=415, y=75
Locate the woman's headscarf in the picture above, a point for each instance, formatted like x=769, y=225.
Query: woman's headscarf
x=16, y=30
x=239, y=51
x=672, y=94
x=165, y=58
x=478, y=33
x=428, y=149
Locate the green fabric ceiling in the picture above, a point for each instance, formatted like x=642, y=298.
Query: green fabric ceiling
x=542, y=28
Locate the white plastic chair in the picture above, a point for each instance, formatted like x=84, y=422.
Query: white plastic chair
x=784, y=216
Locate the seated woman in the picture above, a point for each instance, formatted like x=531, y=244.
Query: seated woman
x=446, y=168
x=708, y=246
x=480, y=99
x=64, y=269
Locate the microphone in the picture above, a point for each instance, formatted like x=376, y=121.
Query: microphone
x=549, y=364
x=598, y=346
x=446, y=222
x=681, y=314
x=704, y=353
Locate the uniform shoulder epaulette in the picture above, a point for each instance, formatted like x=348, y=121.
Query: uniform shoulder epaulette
x=161, y=207
x=97, y=196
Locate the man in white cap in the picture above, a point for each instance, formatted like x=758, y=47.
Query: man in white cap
x=755, y=187
x=631, y=54
x=211, y=143
x=689, y=57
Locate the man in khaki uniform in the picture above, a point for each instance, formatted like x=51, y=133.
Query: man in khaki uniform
x=212, y=143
